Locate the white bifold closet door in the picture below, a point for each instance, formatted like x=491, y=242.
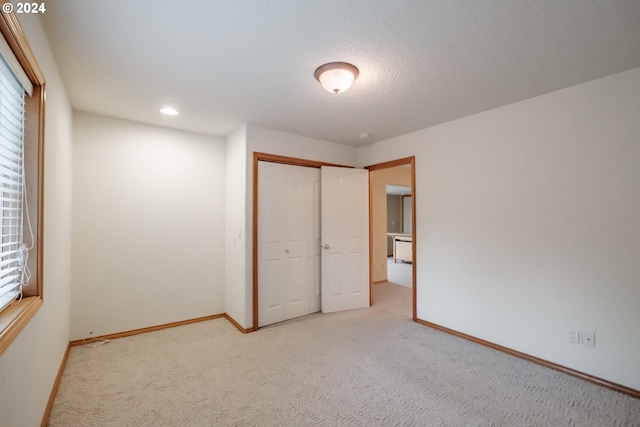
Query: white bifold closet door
x=288, y=242
x=313, y=240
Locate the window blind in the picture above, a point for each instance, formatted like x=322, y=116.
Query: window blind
x=12, y=249
x=15, y=66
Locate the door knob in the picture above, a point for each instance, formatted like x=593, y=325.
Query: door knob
x=326, y=246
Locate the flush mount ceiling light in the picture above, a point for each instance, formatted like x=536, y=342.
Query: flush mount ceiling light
x=169, y=111
x=336, y=77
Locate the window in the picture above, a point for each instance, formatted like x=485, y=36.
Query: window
x=13, y=250
x=21, y=159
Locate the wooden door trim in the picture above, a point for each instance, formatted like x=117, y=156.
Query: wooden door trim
x=386, y=165
x=265, y=157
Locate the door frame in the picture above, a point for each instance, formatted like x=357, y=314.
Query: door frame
x=265, y=157
x=387, y=165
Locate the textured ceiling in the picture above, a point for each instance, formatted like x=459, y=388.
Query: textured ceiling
x=225, y=63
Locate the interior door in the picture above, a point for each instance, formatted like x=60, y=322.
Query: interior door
x=345, y=238
x=286, y=245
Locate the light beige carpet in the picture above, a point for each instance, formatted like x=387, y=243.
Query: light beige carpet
x=370, y=367
x=399, y=273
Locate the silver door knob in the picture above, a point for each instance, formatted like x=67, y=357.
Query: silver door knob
x=326, y=246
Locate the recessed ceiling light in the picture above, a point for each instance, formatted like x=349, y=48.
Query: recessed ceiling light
x=364, y=135
x=169, y=111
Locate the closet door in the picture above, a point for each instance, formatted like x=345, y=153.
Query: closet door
x=286, y=253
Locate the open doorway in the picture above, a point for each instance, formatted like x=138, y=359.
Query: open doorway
x=392, y=231
x=399, y=237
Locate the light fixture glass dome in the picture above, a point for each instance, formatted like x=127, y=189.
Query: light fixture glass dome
x=336, y=77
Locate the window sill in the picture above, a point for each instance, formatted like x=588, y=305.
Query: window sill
x=15, y=318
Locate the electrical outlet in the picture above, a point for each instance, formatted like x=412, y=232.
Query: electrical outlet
x=589, y=339
x=574, y=336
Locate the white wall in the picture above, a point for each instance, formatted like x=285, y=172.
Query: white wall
x=286, y=144
x=28, y=367
x=148, y=226
x=527, y=224
x=238, y=297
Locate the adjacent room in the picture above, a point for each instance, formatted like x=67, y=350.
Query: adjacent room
x=353, y=212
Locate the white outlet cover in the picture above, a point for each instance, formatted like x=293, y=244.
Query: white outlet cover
x=589, y=339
